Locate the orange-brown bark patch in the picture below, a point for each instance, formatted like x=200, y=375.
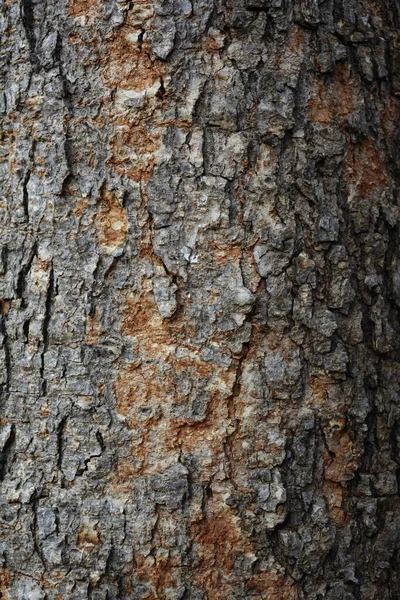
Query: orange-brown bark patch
x=111, y=222
x=335, y=99
x=136, y=386
x=44, y=411
x=132, y=149
x=377, y=8
x=143, y=320
x=124, y=473
x=78, y=8
x=5, y=306
x=159, y=571
x=129, y=71
x=390, y=116
x=5, y=578
x=216, y=540
x=81, y=206
x=203, y=369
x=318, y=389
x=146, y=392
x=319, y=110
x=365, y=169
x=342, y=460
x=93, y=331
x=334, y=496
x=296, y=40
x=212, y=44
x=129, y=65
x=129, y=68
x=223, y=255
x=205, y=438
x=273, y=586
x=142, y=317
x=88, y=538
x=343, y=92
x=147, y=389
x=144, y=396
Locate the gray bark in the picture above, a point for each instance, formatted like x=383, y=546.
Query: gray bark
x=200, y=292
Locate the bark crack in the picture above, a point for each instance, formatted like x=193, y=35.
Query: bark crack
x=45, y=329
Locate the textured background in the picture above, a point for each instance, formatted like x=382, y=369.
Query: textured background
x=200, y=292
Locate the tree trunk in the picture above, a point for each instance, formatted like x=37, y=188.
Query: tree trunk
x=200, y=293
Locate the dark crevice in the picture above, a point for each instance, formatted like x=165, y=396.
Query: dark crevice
x=161, y=90
x=46, y=321
x=35, y=533
x=57, y=520
x=121, y=587
x=84, y=469
x=60, y=440
x=7, y=453
x=25, y=195
x=100, y=439
x=28, y=21
x=4, y=258
x=89, y=591
x=5, y=387
x=21, y=281
x=258, y=9
x=140, y=39
x=25, y=330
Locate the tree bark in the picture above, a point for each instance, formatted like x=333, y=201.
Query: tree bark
x=200, y=293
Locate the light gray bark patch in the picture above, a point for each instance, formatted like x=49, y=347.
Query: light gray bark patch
x=165, y=295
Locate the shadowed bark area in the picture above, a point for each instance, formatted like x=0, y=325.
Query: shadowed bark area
x=199, y=300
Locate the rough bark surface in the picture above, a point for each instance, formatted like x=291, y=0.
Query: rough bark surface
x=200, y=292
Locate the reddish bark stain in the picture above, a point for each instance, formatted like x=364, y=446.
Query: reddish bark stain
x=216, y=541
x=334, y=494
x=334, y=100
x=94, y=331
x=365, y=169
x=390, y=117
x=88, y=539
x=5, y=577
x=111, y=222
x=130, y=67
x=78, y=8
x=296, y=40
x=274, y=586
x=342, y=457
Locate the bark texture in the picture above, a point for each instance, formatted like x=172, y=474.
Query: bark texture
x=200, y=292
